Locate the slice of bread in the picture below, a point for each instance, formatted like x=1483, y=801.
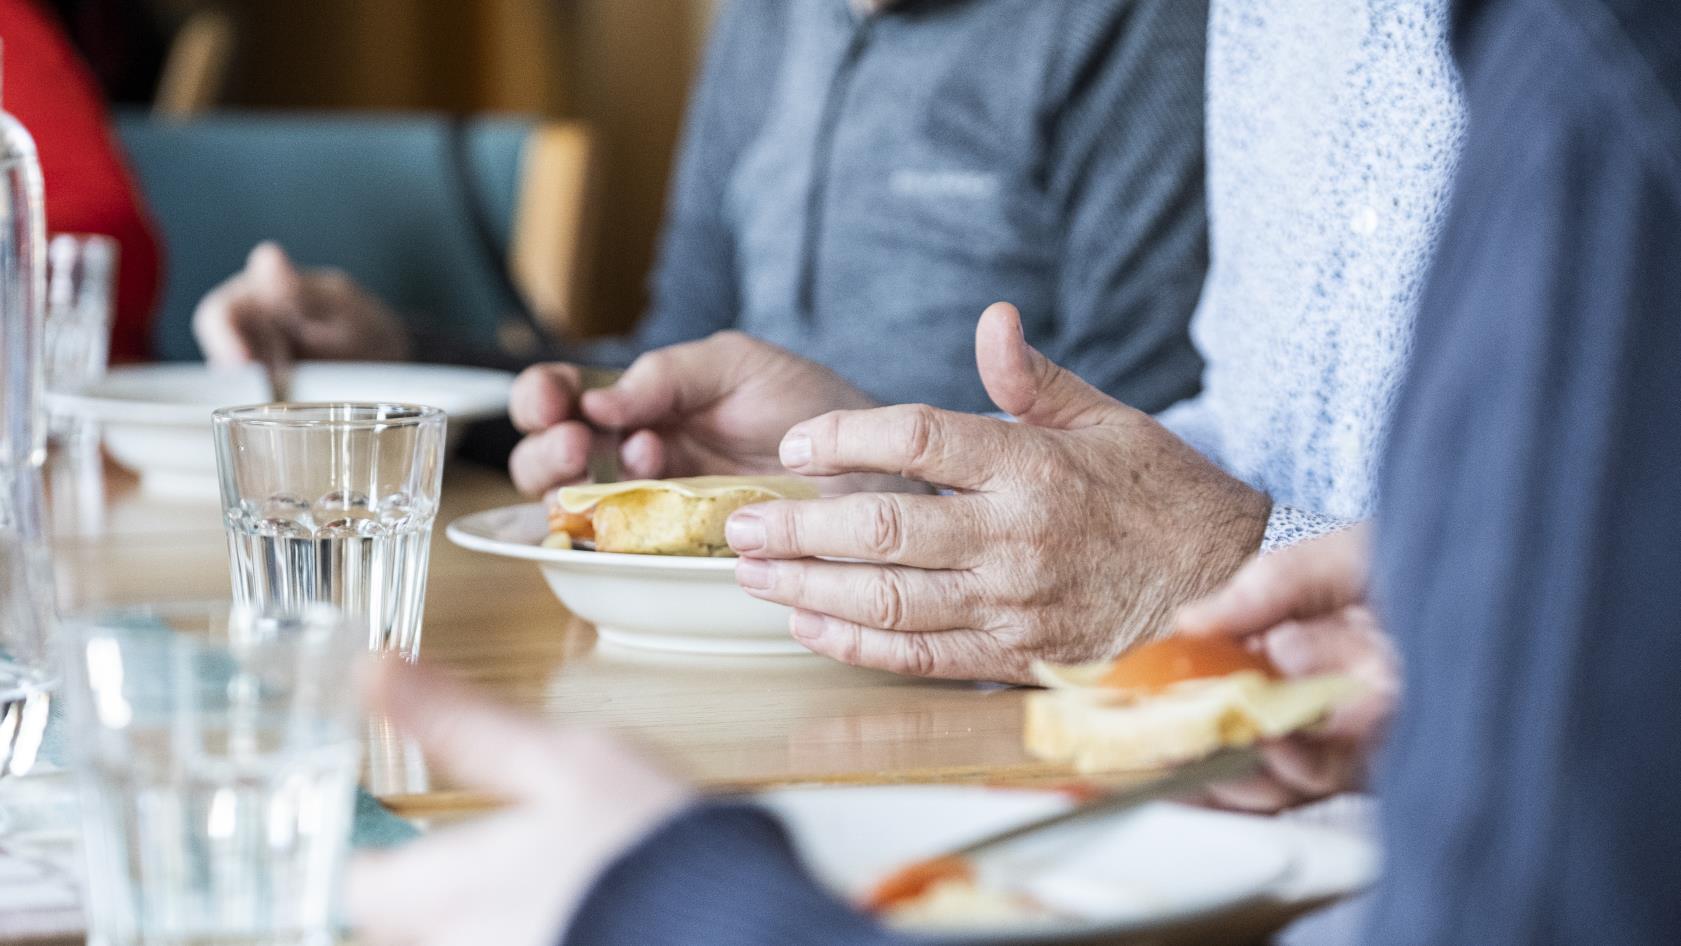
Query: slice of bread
x=659, y=522
x=1100, y=730
x=667, y=517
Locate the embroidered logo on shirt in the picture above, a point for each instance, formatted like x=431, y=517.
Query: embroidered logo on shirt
x=969, y=185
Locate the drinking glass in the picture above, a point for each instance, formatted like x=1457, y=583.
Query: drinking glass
x=217, y=753
x=333, y=503
x=81, y=272
x=26, y=617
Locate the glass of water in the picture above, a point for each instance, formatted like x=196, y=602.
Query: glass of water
x=81, y=276
x=26, y=599
x=217, y=753
x=333, y=504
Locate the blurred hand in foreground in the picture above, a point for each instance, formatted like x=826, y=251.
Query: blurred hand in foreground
x=576, y=801
x=718, y=405
x=1305, y=607
x=1070, y=535
x=272, y=312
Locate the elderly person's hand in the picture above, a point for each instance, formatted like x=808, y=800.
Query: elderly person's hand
x=576, y=800
x=719, y=405
x=274, y=313
x=1070, y=535
x=1305, y=607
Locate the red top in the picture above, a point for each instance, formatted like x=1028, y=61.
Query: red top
x=48, y=88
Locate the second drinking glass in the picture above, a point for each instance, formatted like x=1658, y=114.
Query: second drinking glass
x=334, y=504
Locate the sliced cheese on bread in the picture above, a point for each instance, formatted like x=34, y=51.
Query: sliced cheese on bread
x=1174, y=710
x=673, y=517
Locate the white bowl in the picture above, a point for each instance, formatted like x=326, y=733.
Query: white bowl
x=1152, y=872
x=675, y=603
x=156, y=418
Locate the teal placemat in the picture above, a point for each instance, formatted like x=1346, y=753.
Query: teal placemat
x=376, y=826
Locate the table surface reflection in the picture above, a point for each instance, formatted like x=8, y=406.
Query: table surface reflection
x=728, y=723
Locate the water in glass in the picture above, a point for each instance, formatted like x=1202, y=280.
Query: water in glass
x=228, y=847
x=367, y=559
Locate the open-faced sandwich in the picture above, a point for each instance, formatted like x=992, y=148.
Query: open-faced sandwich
x=662, y=517
x=944, y=894
x=1170, y=701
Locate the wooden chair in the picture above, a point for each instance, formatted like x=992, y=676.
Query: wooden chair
x=556, y=226
x=196, y=68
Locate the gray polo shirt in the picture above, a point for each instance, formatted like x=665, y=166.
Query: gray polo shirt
x=857, y=187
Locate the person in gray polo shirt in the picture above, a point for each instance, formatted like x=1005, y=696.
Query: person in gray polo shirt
x=858, y=179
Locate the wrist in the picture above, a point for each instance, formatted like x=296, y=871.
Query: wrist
x=1236, y=537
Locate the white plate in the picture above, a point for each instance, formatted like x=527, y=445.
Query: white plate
x=1161, y=866
x=156, y=418
x=676, y=603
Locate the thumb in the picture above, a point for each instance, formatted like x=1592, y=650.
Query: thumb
x=1025, y=383
x=480, y=744
x=273, y=274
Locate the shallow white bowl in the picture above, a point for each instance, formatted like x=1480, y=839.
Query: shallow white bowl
x=1150, y=871
x=156, y=418
x=659, y=602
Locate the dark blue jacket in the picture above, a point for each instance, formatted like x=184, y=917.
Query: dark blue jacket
x=1530, y=517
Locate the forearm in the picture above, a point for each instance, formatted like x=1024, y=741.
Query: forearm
x=723, y=875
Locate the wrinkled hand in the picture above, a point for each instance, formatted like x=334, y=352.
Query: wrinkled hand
x=576, y=801
x=275, y=313
x=1305, y=606
x=1071, y=535
x=719, y=405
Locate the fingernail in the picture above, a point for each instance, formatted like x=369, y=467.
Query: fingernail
x=745, y=532
x=795, y=451
x=753, y=573
x=1291, y=651
x=807, y=626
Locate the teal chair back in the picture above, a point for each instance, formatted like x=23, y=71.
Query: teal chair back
x=418, y=209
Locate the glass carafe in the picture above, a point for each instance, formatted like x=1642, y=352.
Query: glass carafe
x=26, y=600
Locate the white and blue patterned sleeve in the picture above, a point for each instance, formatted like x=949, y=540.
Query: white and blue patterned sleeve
x=1288, y=525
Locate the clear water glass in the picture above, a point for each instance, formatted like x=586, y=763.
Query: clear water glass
x=26, y=599
x=81, y=276
x=333, y=504
x=216, y=753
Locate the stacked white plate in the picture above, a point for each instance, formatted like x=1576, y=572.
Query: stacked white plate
x=156, y=418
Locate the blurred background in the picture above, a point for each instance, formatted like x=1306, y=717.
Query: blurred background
x=617, y=69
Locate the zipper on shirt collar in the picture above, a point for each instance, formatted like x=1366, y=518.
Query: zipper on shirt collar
x=822, y=158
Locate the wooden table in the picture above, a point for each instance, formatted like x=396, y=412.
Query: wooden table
x=728, y=723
